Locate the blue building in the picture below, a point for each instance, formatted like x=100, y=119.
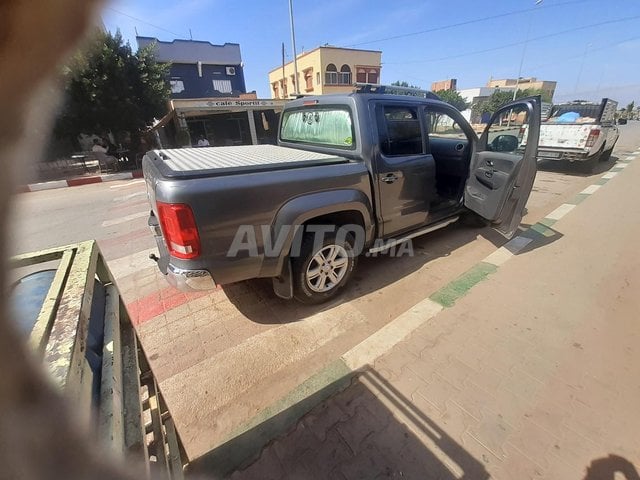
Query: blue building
x=200, y=69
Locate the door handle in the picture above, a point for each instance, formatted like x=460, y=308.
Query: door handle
x=389, y=178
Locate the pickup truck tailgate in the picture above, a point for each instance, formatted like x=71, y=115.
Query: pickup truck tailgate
x=564, y=136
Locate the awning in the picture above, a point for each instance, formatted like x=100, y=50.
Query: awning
x=163, y=121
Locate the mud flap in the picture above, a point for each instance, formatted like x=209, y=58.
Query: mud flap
x=283, y=285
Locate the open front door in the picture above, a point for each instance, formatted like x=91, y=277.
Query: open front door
x=503, y=166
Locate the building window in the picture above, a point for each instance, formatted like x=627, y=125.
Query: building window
x=367, y=75
x=293, y=82
x=283, y=84
x=331, y=75
x=345, y=75
x=222, y=86
x=276, y=91
x=308, y=78
x=177, y=85
x=317, y=78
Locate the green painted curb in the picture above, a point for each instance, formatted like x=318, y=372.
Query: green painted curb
x=579, y=198
x=459, y=287
x=601, y=181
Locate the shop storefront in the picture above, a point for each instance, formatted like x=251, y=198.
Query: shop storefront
x=222, y=121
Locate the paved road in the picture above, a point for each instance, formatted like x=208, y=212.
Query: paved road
x=223, y=357
x=534, y=374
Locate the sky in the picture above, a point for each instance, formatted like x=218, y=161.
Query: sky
x=590, y=47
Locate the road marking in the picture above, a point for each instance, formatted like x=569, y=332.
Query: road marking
x=591, y=189
x=128, y=184
x=610, y=175
x=507, y=251
x=130, y=196
x=126, y=218
x=367, y=351
x=631, y=157
x=620, y=166
x=561, y=211
x=458, y=288
x=34, y=187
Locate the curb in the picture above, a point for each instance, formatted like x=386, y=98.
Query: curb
x=74, y=182
x=246, y=444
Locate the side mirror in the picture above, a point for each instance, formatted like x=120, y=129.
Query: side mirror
x=504, y=143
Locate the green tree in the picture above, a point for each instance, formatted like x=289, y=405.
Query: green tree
x=530, y=92
x=491, y=104
x=402, y=83
x=108, y=88
x=499, y=98
x=452, y=97
x=630, y=109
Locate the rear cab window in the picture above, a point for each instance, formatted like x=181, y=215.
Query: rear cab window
x=322, y=125
x=401, y=133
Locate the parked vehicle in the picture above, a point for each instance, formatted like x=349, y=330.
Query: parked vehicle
x=369, y=170
x=579, y=132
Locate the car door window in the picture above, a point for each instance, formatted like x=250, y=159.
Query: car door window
x=508, y=133
x=403, y=133
x=441, y=125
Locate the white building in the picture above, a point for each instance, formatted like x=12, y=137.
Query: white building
x=474, y=95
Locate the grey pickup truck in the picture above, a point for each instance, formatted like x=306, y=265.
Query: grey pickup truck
x=351, y=174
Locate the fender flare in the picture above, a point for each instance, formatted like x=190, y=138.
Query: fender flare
x=304, y=208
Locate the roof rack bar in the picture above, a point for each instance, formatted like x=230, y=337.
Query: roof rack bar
x=393, y=90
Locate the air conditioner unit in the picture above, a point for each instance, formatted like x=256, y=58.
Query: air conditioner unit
x=231, y=70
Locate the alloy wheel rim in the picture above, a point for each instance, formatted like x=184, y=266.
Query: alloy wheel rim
x=327, y=268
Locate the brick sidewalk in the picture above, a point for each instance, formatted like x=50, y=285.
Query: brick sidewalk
x=535, y=373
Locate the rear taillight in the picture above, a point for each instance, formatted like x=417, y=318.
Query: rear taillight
x=593, y=136
x=180, y=230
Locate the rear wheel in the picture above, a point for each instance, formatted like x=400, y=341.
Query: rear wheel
x=606, y=155
x=590, y=164
x=322, y=270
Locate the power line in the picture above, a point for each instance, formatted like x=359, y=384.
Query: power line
x=467, y=22
x=508, y=45
x=143, y=21
x=572, y=57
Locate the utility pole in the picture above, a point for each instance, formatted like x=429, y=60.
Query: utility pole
x=293, y=45
x=524, y=50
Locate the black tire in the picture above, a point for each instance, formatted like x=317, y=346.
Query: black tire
x=303, y=287
x=590, y=164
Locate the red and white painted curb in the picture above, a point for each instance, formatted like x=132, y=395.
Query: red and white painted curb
x=74, y=182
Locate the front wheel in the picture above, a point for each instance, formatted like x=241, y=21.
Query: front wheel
x=322, y=270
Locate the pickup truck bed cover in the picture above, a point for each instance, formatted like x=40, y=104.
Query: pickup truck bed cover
x=191, y=162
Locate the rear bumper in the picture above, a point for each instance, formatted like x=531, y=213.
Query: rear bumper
x=565, y=155
x=189, y=280
x=184, y=279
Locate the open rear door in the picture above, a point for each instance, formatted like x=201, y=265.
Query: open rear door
x=503, y=166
